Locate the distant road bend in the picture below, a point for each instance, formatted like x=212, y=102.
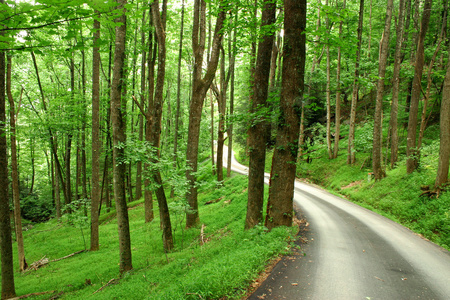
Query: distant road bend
x=354, y=253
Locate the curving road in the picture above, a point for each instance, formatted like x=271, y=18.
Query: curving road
x=349, y=252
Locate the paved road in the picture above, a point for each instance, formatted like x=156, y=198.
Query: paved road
x=352, y=253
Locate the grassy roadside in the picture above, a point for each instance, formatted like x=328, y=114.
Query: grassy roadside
x=398, y=196
x=222, y=266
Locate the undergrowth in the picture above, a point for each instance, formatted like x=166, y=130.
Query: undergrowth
x=221, y=265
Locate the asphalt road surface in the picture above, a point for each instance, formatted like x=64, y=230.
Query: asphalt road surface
x=349, y=252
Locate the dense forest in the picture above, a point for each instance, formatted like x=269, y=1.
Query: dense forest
x=103, y=103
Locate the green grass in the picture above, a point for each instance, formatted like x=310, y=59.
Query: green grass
x=222, y=267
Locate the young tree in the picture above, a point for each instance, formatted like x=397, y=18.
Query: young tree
x=119, y=139
x=257, y=133
x=412, y=152
x=200, y=87
x=378, y=122
x=282, y=176
x=6, y=252
x=351, y=133
x=393, y=122
x=15, y=169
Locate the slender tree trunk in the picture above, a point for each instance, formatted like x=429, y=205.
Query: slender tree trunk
x=378, y=122
x=232, y=59
x=338, y=92
x=282, y=177
x=351, y=134
x=159, y=24
x=178, y=109
x=96, y=141
x=258, y=129
x=212, y=133
x=200, y=87
x=7, y=268
x=14, y=170
x=424, y=119
x=328, y=92
x=119, y=138
x=412, y=151
x=393, y=122
x=444, y=150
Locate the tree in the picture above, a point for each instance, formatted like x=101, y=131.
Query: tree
x=96, y=142
x=119, y=139
x=200, y=87
x=393, y=122
x=378, y=122
x=412, y=152
x=7, y=273
x=282, y=175
x=14, y=169
x=257, y=132
x=351, y=134
x=444, y=150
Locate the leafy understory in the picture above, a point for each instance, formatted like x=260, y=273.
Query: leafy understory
x=217, y=259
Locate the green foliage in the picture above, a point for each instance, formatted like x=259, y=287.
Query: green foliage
x=223, y=266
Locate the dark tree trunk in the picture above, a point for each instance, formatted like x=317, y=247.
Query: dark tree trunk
x=351, y=134
x=6, y=251
x=257, y=133
x=444, y=151
x=96, y=142
x=378, y=120
x=412, y=151
x=282, y=177
x=199, y=88
x=119, y=138
x=393, y=122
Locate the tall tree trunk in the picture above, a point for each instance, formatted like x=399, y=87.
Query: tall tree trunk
x=258, y=129
x=96, y=142
x=15, y=169
x=338, y=92
x=424, y=119
x=351, y=134
x=282, y=176
x=393, y=122
x=7, y=267
x=412, y=151
x=119, y=138
x=178, y=109
x=378, y=122
x=232, y=59
x=200, y=87
x=328, y=91
x=444, y=150
x=159, y=24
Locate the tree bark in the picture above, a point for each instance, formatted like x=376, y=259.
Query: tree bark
x=351, y=134
x=119, y=139
x=444, y=150
x=156, y=118
x=412, y=152
x=178, y=109
x=338, y=93
x=393, y=122
x=200, y=87
x=96, y=141
x=258, y=128
x=232, y=59
x=6, y=251
x=15, y=170
x=378, y=120
x=282, y=176
x=328, y=91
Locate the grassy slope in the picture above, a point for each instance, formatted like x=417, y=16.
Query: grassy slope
x=223, y=267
